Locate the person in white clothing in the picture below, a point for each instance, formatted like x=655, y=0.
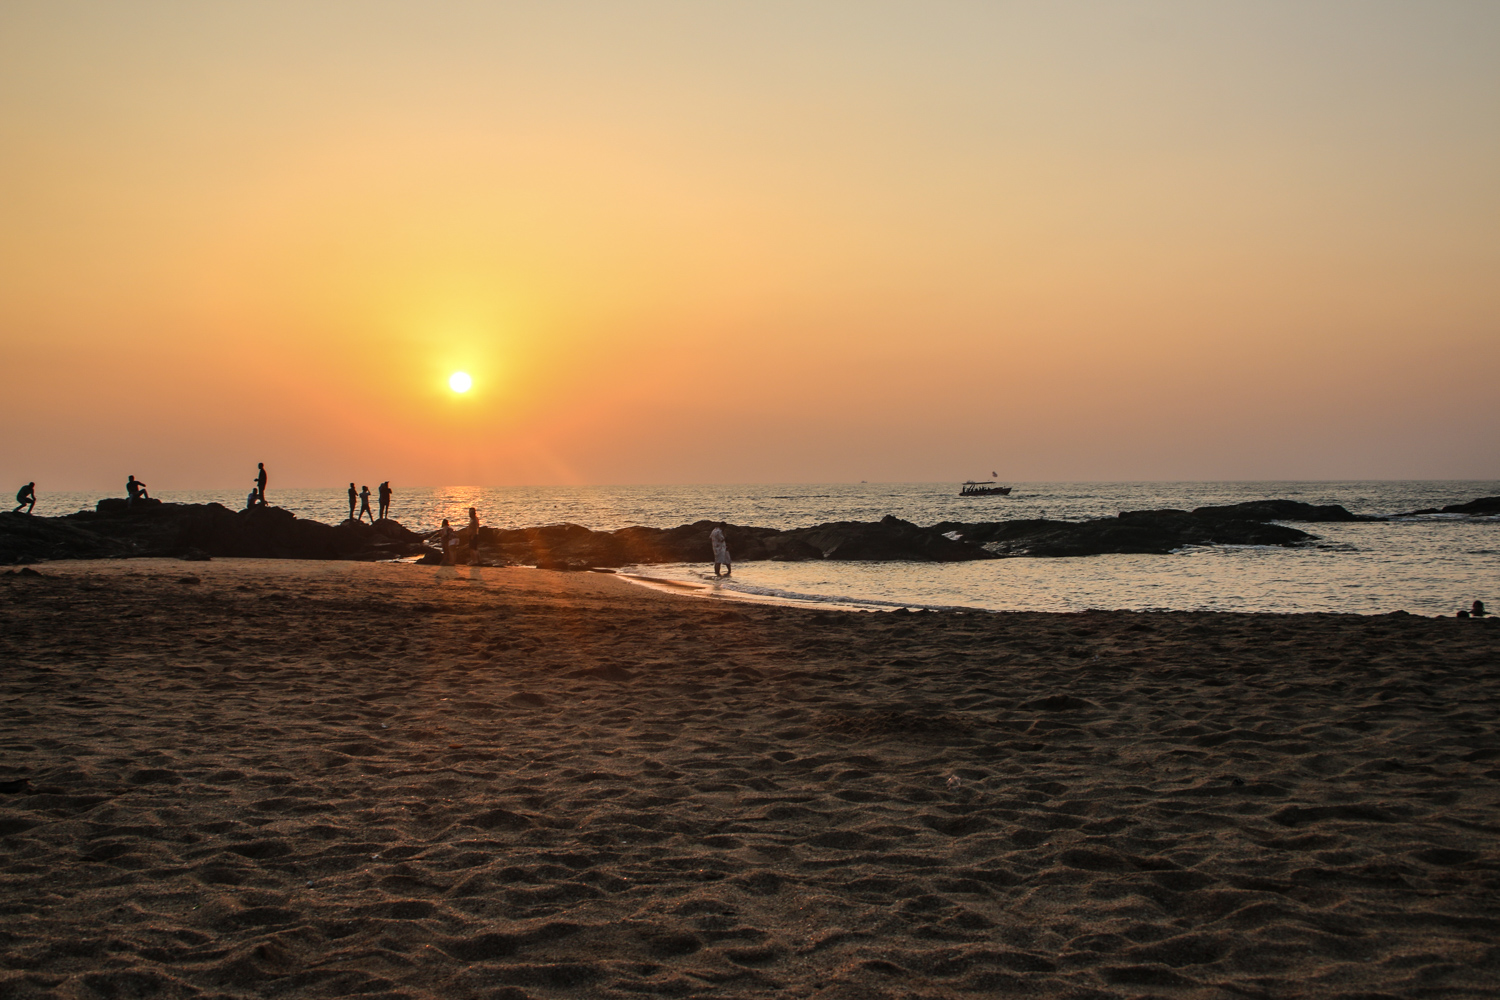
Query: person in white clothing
x=721, y=552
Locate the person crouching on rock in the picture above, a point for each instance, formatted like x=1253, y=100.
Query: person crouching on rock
x=364, y=504
x=25, y=497
x=135, y=490
x=721, y=552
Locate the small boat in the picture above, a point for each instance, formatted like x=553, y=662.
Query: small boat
x=985, y=489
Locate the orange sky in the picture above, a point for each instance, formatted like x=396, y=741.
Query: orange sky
x=748, y=242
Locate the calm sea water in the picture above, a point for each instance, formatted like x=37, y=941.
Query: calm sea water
x=1427, y=565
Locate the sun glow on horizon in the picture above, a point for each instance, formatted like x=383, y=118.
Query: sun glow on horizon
x=460, y=382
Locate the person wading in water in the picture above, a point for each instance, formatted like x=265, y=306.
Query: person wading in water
x=721, y=552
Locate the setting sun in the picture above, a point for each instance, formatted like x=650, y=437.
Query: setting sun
x=460, y=382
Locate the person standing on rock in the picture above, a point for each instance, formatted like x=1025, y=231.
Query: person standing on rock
x=473, y=537
x=260, y=482
x=364, y=504
x=25, y=497
x=721, y=552
x=385, y=499
x=353, y=499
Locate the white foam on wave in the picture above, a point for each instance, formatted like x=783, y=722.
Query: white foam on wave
x=727, y=588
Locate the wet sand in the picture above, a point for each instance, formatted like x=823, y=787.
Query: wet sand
x=248, y=778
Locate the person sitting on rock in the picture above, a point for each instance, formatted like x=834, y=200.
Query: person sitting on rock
x=448, y=539
x=1478, y=610
x=25, y=497
x=253, y=499
x=353, y=499
x=135, y=490
x=385, y=499
x=721, y=552
x=364, y=505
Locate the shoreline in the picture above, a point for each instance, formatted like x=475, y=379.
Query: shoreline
x=244, y=778
x=704, y=591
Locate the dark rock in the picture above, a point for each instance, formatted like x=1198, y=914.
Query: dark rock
x=1483, y=507
x=1141, y=531
x=196, y=532
x=27, y=539
x=121, y=505
x=1283, y=510
x=892, y=538
x=571, y=546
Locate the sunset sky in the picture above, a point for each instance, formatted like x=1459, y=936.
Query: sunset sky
x=758, y=242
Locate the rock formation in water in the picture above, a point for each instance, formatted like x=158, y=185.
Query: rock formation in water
x=1141, y=531
x=1283, y=510
x=571, y=546
x=115, y=529
x=1483, y=507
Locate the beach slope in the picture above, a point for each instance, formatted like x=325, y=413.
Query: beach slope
x=251, y=778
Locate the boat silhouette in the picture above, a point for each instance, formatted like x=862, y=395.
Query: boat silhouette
x=985, y=489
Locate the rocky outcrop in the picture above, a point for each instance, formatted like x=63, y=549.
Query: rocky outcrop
x=28, y=539
x=571, y=546
x=115, y=528
x=152, y=528
x=1283, y=510
x=1483, y=507
x=1142, y=531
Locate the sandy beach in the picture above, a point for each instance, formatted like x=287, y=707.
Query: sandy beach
x=247, y=778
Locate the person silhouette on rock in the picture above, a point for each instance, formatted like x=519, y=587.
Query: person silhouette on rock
x=353, y=499
x=260, y=482
x=364, y=504
x=385, y=499
x=25, y=497
x=135, y=490
x=473, y=537
x=253, y=499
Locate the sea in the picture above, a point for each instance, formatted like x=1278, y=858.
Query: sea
x=1431, y=564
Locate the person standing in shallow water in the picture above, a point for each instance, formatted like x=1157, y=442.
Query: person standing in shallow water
x=721, y=552
x=25, y=497
x=385, y=499
x=260, y=483
x=353, y=499
x=364, y=504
